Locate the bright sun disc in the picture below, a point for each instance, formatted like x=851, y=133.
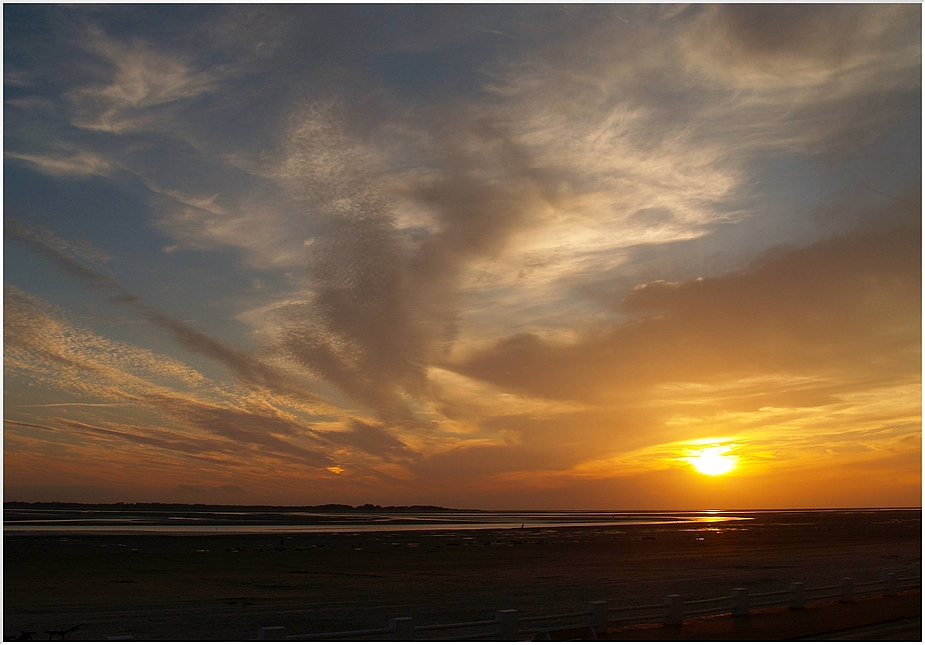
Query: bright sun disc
x=714, y=460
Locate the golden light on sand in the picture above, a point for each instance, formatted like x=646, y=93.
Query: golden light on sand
x=713, y=460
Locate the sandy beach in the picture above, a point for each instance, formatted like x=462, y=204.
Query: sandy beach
x=157, y=587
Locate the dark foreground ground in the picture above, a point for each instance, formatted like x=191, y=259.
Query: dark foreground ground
x=896, y=618
x=159, y=587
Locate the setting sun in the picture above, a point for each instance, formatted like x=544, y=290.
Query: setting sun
x=714, y=460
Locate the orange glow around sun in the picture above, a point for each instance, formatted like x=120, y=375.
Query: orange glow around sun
x=713, y=460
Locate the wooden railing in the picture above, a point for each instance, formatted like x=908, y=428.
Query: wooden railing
x=598, y=616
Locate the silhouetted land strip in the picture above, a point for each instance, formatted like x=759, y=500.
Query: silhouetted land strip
x=24, y=513
x=203, y=587
x=160, y=506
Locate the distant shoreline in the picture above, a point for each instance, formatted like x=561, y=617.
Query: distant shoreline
x=212, y=520
x=327, y=508
x=416, y=508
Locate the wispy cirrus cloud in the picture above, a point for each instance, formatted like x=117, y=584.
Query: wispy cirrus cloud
x=82, y=162
x=66, y=358
x=144, y=84
x=250, y=370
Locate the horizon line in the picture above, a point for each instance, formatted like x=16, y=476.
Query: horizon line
x=482, y=510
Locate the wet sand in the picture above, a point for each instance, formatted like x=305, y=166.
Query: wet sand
x=168, y=587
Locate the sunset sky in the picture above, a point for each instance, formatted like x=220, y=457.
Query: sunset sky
x=475, y=256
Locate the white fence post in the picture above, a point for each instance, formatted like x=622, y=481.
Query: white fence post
x=847, y=589
x=507, y=624
x=740, y=601
x=797, y=595
x=277, y=633
x=598, y=611
x=675, y=603
x=402, y=629
x=889, y=584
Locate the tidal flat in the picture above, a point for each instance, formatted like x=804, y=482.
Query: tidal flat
x=223, y=587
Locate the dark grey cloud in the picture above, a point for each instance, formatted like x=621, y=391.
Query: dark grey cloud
x=384, y=305
x=205, y=449
x=835, y=78
x=764, y=34
x=374, y=440
x=356, y=333
x=208, y=450
x=15, y=230
x=247, y=428
x=480, y=197
x=850, y=305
